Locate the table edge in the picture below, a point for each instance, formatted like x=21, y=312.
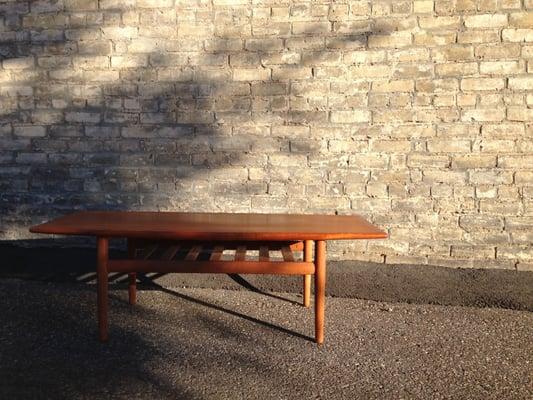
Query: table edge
x=210, y=236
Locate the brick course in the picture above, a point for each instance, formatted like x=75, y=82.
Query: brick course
x=417, y=114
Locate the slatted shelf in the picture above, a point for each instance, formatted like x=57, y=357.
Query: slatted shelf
x=278, y=258
x=229, y=252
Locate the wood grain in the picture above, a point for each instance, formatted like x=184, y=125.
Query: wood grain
x=213, y=267
x=216, y=227
x=308, y=257
x=102, y=250
x=320, y=290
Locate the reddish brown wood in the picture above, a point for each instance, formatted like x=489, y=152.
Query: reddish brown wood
x=231, y=244
x=287, y=254
x=237, y=231
x=170, y=253
x=132, y=276
x=264, y=253
x=193, y=253
x=320, y=289
x=149, y=251
x=102, y=271
x=240, y=253
x=295, y=246
x=211, y=227
x=308, y=257
x=212, y=267
x=216, y=255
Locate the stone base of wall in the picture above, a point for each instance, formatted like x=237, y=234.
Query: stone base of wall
x=367, y=280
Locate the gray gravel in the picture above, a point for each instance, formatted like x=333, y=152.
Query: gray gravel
x=223, y=344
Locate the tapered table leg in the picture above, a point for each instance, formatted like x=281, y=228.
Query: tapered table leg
x=132, y=276
x=320, y=289
x=102, y=250
x=308, y=257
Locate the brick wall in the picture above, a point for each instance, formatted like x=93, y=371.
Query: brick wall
x=417, y=114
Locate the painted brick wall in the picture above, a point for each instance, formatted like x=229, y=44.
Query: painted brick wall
x=417, y=114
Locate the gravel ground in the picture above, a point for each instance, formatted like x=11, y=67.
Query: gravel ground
x=223, y=344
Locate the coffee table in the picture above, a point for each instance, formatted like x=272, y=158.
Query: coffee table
x=168, y=242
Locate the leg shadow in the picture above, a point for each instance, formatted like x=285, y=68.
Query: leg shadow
x=233, y=313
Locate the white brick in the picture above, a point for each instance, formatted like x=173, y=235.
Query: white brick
x=486, y=21
x=521, y=83
x=19, y=63
x=251, y=74
x=30, y=131
x=352, y=116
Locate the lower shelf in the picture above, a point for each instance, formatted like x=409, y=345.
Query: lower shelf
x=273, y=258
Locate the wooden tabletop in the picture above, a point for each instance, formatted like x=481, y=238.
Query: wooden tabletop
x=211, y=226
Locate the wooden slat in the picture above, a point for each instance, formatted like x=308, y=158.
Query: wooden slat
x=240, y=254
x=287, y=254
x=254, y=244
x=170, y=253
x=216, y=255
x=263, y=253
x=212, y=267
x=193, y=253
x=148, y=251
x=297, y=246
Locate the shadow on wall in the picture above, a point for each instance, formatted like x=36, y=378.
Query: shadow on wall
x=97, y=116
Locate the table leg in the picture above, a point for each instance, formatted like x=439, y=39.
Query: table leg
x=308, y=257
x=132, y=276
x=102, y=250
x=320, y=289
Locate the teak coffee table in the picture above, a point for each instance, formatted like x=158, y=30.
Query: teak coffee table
x=213, y=243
